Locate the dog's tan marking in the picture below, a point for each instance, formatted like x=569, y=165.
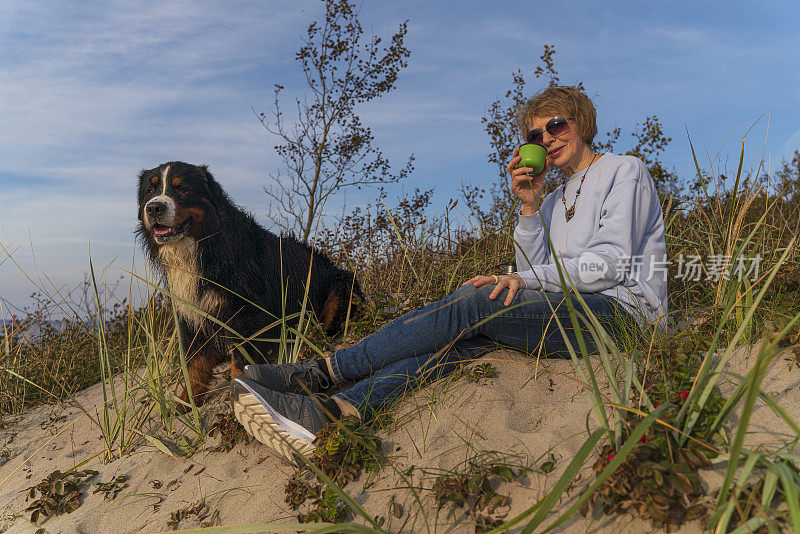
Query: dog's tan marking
x=198, y=216
x=176, y=182
x=235, y=371
x=329, y=311
x=201, y=370
x=154, y=179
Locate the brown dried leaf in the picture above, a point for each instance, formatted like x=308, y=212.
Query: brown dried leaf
x=681, y=482
x=397, y=509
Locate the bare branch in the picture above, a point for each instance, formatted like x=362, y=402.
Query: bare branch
x=328, y=148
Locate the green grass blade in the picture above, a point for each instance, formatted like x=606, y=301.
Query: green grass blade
x=737, y=395
x=187, y=381
x=749, y=526
x=339, y=491
x=770, y=485
x=755, y=378
x=790, y=484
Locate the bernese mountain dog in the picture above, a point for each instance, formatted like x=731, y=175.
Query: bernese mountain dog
x=215, y=258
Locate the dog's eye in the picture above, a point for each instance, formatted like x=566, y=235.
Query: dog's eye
x=183, y=190
x=151, y=190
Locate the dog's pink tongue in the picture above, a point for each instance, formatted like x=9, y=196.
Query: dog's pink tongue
x=162, y=230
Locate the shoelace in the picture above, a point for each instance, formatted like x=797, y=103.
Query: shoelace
x=316, y=376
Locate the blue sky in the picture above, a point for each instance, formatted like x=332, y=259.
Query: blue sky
x=91, y=93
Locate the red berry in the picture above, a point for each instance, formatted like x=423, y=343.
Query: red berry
x=643, y=439
x=610, y=457
x=683, y=394
x=655, y=405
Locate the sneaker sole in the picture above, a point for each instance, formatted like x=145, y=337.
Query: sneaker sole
x=272, y=429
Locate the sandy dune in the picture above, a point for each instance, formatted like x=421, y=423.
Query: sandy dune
x=512, y=417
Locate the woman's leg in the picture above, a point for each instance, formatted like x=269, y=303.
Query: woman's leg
x=398, y=378
x=405, y=354
x=460, y=316
x=523, y=325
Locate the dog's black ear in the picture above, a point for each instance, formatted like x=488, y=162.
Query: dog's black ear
x=215, y=193
x=140, y=193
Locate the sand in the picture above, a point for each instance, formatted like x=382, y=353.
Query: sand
x=513, y=417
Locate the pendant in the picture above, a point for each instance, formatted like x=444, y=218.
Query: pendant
x=570, y=213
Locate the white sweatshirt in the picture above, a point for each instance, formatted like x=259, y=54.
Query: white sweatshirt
x=614, y=244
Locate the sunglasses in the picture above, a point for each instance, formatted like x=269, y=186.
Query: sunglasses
x=557, y=126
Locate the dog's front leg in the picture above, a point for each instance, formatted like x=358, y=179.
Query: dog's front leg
x=201, y=370
x=202, y=355
x=235, y=370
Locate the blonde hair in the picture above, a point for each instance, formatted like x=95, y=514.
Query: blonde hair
x=566, y=100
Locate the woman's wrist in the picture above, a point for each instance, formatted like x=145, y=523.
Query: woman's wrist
x=530, y=208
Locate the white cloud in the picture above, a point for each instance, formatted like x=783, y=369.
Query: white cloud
x=792, y=144
x=109, y=80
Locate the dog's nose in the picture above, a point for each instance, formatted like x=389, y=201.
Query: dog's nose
x=154, y=209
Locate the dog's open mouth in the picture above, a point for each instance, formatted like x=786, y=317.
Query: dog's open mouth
x=167, y=234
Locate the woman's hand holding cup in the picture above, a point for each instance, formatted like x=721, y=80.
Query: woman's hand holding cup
x=526, y=186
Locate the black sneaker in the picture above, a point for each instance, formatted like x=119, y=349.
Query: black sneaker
x=287, y=423
x=304, y=376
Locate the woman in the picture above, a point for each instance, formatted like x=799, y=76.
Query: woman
x=606, y=226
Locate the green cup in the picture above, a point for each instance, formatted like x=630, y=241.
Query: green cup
x=533, y=155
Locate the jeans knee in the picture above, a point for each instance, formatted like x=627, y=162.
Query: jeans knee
x=471, y=292
x=472, y=303
x=462, y=290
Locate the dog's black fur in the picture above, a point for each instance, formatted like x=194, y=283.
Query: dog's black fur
x=214, y=256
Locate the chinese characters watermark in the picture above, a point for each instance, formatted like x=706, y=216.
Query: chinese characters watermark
x=692, y=267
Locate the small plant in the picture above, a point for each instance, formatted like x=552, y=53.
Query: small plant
x=679, y=360
x=59, y=493
x=326, y=507
x=549, y=465
x=480, y=371
x=649, y=483
x=345, y=449
x=472, y=491
x=111, y=489
x=199, y=511
x=229, y=430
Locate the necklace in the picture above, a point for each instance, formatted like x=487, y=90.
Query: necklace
x=570, y=212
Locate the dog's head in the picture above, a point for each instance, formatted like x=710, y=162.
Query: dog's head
x=175, y=201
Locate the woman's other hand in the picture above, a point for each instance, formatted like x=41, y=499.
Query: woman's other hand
x=527, y=188
x=513, y=282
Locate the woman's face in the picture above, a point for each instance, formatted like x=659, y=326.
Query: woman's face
x=565, y=151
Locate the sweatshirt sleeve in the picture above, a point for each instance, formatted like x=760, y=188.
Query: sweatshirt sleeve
x=624, y=218
x=530, y=240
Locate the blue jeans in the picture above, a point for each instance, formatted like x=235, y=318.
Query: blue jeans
x=430, y=342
